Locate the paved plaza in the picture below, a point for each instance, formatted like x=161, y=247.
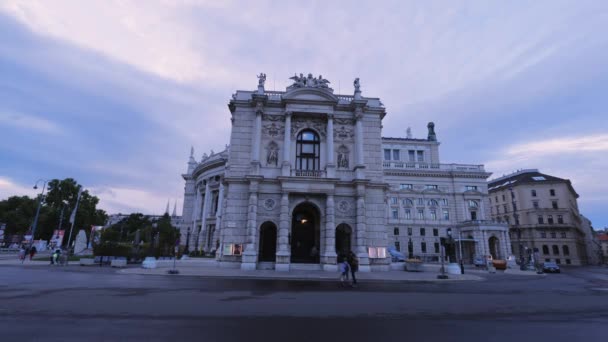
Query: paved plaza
x=74, y=303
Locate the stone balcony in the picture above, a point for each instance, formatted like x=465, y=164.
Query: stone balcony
x=308, y=173
x=403, y=165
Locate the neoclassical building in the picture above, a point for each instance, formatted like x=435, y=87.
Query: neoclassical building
x=307, y=177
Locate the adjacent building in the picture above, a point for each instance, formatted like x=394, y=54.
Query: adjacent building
x=308, y=177
x=542, y=214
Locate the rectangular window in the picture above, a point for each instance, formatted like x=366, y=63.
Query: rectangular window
x=553, y=235
x=409, y=231
x=503, y=197
x=423, y=247
x=555, y=250
x=398, y=246
x=408, y=214
x=395, y=213
x=565, y=250
x=376, y=252
x=551, y=192
x=533, y=193
x=446, y=214
x=560, y=219
x=422, y=232
x=550, y=219
x=512, y=195
x=420, y=201
x=558, y=261
x=395, y=155
x=568, y=262
x=471, y=187
x=473, y=215
x=406, y=186
x=543, y=235
x=554, y=204
x=387, y=154
x=412, y=155
x=421, y=214
x=432, y=186
x=435, y=232
x=444, y=202
x=436, y=245
x=433, y=214
x=496, y=199
x=541, y=220
x=506, y=208
x=497, y=209
x=420, y=155
x=394, y=201
x=535, y=204
x=563, y=234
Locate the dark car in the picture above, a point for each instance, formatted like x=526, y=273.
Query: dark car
x=550, y=267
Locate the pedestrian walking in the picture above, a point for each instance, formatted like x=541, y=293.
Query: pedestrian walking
x=344, y=271
x=353, y=263
x=32, y=252
x=21, y=253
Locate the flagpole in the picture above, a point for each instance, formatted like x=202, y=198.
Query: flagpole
x=73, y=221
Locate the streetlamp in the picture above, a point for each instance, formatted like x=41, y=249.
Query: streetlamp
x=64, y=204
x=516, y=224
x=460, y=248
x=442, y=274
x=34, y=226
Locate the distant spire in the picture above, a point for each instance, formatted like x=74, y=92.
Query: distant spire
x=174, y=209
x=408, y=133
x=167, y=210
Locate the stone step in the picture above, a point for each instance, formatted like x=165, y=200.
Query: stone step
x=305, y=267
x=265, y=265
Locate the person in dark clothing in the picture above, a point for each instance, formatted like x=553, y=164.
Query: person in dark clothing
x=32, y=252
x=353, y=262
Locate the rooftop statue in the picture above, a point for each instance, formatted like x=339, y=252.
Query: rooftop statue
x=309, y=81
x=261, y=79
x=357, y=85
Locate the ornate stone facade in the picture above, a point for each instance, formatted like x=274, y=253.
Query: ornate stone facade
x=298, y=185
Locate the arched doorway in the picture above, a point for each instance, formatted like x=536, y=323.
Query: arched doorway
x=268, y=242
x=305, y=234
x=343, y=239
x=493, y=245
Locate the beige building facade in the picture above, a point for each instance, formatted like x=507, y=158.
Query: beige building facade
x=542, y=214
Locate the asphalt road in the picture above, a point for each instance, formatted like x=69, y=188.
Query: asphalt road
x=92, y=304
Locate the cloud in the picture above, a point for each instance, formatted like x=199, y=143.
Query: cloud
x=131, y=200
x=9, y=188
x=28, y=123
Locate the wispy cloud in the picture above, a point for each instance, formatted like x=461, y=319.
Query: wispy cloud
x=26, y=122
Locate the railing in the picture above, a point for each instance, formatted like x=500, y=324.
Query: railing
x=400, y=165
x=308, y=173
x=274, y=95
x=345, y=98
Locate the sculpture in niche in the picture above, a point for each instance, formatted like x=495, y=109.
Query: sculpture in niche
x=343, y=157
x=272, y=157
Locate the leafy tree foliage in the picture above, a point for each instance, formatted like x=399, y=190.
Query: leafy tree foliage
x=57, y=205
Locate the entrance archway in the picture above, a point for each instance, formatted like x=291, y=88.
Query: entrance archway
x=493, y=245
x=343, y=239
x=268, y=242
x=305, y=234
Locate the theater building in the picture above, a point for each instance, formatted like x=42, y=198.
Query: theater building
x=308, y=177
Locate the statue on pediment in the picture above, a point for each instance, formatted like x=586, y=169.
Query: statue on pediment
x=322, y=83
x=298, y=81
x=261, y=79
x=357, y=85
x=308, y=81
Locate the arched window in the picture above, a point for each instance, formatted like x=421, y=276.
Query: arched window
x=545, y=250
x=433, y=203
x=307, y=151
x=565, y=250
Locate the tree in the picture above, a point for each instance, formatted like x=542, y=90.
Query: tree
x=18, y=214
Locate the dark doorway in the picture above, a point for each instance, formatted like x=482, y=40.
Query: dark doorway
x=268, y=242
x=343, y=238
x=305, y=234
x=494, y=247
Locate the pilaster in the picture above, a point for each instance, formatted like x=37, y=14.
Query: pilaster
x=283, y=253
x=331, y=166
x=361, y=232
x=250, y=255
x=329, y=254
x=286, y=167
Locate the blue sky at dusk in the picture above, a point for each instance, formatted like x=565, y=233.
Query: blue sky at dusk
x=114, y=93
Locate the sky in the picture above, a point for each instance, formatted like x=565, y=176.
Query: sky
x=114, y=93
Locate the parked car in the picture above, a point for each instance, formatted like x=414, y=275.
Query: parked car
x=550, y=267
x=396, y=256
x=479, y=262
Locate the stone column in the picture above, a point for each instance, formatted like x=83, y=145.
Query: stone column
x=360, y=165
x=361, y=235
x=250, y=255
x=283, y=253
x=484, y=244
x=329, y=252
x=195, y=215
x=287, y=146
x=206, y=200
x=257, y=141
x=331, y=166
x=218, y=218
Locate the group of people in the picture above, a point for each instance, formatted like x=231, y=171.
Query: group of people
x=348, y=264
x=23, y=252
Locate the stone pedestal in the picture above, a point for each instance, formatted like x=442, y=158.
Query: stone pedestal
x=282, y=261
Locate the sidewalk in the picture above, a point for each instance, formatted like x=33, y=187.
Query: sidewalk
x=209, y=269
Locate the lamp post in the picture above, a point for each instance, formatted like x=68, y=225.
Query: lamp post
x=516, y=224
x=460, y=248
x=35, y=224
x=449, y=242
x=442, y=274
